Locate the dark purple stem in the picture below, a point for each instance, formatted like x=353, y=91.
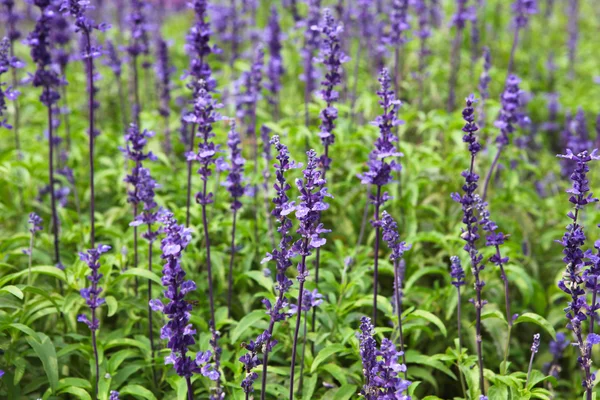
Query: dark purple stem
x=298, y=317
x=208, y=263
x=189, y=387
x=189, y=177
x=52, y=193
x=513, y=49
x=491, y=172
x=399, y=313
x=90, y=68
x=231, y=258
x=376, y=264
x=95, y=346
x=150, y=326
x=454, y=67
x=136, y=92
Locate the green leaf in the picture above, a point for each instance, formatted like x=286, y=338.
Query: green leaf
x=325, y=353
x=46, y=352
x=498, y=392
x=15, y=291
x=23, y=328
x=43, y=269
x=413, y=357
x=141, y=273
x=246, y=323
x=345, y=392
x=538, y=320
x=429, y=317
x=112, y=304
x=309, y=387
x=137, y=391
x=79, y=393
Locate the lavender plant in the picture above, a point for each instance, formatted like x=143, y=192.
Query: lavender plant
x=164, y=70
x=35, y=222
x=8, y=62
x=470, y=232
x=398, y=248
x=380, y=366
x=573, y=283
x=178, y=332
x=535, y=347
x=311, y=202
x=522, y=9
x=275, y=69
x=423, y=34
x=236, y=188
x=464, y=14
x=312, y=39
x=380, y=169
x=93, y=300
x=484, y=83
x=49, y=80
x=398, y=25
x=115, y=63
x=86, y=26
x=268, y=157
x=138, y=46
x=573, y=32
x=200, y=74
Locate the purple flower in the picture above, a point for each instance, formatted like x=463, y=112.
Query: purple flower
x=275, y=68
x=36, y=223
x=113, y=61
x=511, y=113
x=573, y=240
x=178, y=332
x=309, y=300
x=91, y=294
x=164, y=69
x=380, y=366
x=248, y=91
x=399, y=22
x=11, y=17
x=139, y=42
x=457, y=272
x=203, y=117
x=535, y=346
x=484, y=83
x=198, y=48
x=235, y=177
x=332, y=56
x=522, y=9
x=463, y=14
x=144, y=191
x=392, y=237
x=134, y=151
x=114, y=395
x=77, y=9
x=6, y=62
x=312, y=39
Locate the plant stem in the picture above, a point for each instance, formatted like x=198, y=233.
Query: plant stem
x=90, y=70
x=135, y=244
x=376, y=255
x=190, y=394
x=95, y=346
x=513, y=49
x=189, y=177
x=399, y=313
x=488, y=177
x=365, y=216
x=355, y=85
x=454, y=67
x=52, y=193
x=301, y=383
x=302, y=270
x=208, y=263
x=458, y=320
x=122, y=103
x=136, y=93
x=66, y=116
x=529, y=369
x=231, y=258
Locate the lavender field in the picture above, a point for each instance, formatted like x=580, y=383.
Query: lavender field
x=299, y=199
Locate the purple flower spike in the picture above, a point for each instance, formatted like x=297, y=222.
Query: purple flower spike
x=235, y=177
x=457, y=272
x=114, y=395
x=522, y=10
x=275, y=68
x=381, y=366
x=573, y=283
x=36, y=223
x=198, y=48
x=332, y=56
x=91, y=294
x=178, y=332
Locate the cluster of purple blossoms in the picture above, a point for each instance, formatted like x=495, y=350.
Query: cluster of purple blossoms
x=77, y=9
x=332, y=56
x=380, y=170
x=380, y=366
x=164, y=69
x=573, y=283
x=522, y=9
x=511, y=113
x=139, y=43
x=91, y=294
x=10, y=18
x=457, y=273
x=423, y=34
x=35, y=222
x=198, y=48
x=39, y=41
x=557, y=348
x=178, y=331
x=463, y=14
x=145, y=192
x=113, y=60
x=275, y=68
x=134, y=151
x=312, y=40
x=392, y=237
x=263, y=344
x=248, y=91
x=61, y=36
x=235, y=177
x=484, y=84
x=114, y=395
x=6, y=63
x=310, y=300
x=399, y=22
x=203, y=117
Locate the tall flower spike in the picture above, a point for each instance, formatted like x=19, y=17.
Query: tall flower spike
x=332, y=56
x=573, y=240
x=484, y=83
x=535, y=346
x=164, y=70
x=275, y=69
x=312, y=39
x=138, y=46
x=423, y=34
x=178, y=332
x=380, y=169
x=522, y=9
x=7, y=62
x=380, y=366
x=311, y=202
x=470, y=231
x=398, y=25
x=463, y=14
x=92, y=298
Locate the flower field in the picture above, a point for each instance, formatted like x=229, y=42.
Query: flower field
x=299, y=199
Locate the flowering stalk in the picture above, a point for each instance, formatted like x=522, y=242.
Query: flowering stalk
x=61, y=36
x=136, y=141
x=399, y=24
x=510, y=115
x=392, y=238
x=522, y=9
x=535, y=346
x=236, y=189
x=178, y=332
x=35, y=222
x=268, y=157
x=13, y=34
x=311, y=301
x=137, y=47
x=332, y=56
x=311, y=43
x=380, y=366
x=46, y=78
x=366, y=21
x=275, y=68
x=459, y=21
x=114, y=395
x=164, y=69
x=311, y=202
x=423, y=33
x=573, y=30
x=92, y=299
x=380, y=169
x=572, y=282
x=116, y=65
x=204, y=116
x=282, y=256
x=86, y=25
x=470, y=231
x=484, y=83
x=200, y=74
x=145, y=187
